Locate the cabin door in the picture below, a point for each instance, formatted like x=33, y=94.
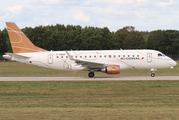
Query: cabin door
x=50, y=59
x=149, y=57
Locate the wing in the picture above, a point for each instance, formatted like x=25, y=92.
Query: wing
x=87, y=64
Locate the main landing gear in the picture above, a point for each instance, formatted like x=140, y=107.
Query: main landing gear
x=152, y=72
x=152, y=75
x=91, y=74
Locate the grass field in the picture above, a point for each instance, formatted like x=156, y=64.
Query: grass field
x=90, y=100
x=86, y=100
x=20, y=69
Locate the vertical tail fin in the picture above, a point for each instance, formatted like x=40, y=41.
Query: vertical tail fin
x=19, y=41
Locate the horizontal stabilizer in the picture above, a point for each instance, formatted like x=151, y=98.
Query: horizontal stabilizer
x=9, y=56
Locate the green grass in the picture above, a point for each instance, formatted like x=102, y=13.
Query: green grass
x=20, y=69
x=90, y=100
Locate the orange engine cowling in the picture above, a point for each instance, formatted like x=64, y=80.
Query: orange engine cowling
x=111, y=69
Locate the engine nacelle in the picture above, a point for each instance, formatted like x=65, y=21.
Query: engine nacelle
x=111, y=69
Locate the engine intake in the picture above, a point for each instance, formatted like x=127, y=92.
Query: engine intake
x=111, y=69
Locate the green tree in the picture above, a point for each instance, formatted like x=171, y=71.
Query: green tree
x=121, y=34
x=4, y=42
x=41, y=39
x=158, y=41
x=89, y=39
x=173, y=41
x=134, y=40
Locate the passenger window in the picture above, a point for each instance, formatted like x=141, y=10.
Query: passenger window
x=66, y=56
x=137, y=55
x=128, y=55
x=80, y=56
x=61, y=56
x=75, y=56
x=118, y=55
x=89, y=56
x=105, y=56
x=133, y=56
x=114, y=55
x=95, y=56
x=123, y=55
x=100, y=56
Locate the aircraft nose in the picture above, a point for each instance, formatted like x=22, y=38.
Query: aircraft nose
x=173, y=63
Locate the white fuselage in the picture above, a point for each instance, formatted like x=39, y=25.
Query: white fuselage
x=126, y=59
x=108, y=61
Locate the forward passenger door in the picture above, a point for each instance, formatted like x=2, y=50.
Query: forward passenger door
x=149, y=57
x=50, y=59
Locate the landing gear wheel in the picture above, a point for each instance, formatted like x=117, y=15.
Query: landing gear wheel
x=91, y=74
x=152, y=75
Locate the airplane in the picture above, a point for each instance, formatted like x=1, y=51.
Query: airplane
x=107, y=61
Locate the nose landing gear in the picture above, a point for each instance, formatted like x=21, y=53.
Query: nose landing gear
x=152, y=72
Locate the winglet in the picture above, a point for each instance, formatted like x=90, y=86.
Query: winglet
x=71, y=58
x=19, y=41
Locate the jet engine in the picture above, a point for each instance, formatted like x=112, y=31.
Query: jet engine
x=111, y=69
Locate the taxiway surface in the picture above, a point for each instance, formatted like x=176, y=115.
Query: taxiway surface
x=97, y=78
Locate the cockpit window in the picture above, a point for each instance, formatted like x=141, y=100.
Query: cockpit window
x=161, y=55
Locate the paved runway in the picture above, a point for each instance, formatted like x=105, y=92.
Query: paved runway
x=97, y=78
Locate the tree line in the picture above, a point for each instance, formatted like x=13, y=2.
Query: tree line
x=60, y=37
